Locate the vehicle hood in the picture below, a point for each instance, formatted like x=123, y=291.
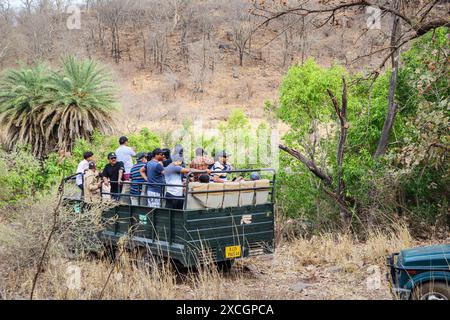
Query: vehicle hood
x=435, y=257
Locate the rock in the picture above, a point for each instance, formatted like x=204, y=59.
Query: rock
x=310, y=267
x=299, y=286
x=223, y=46
x=235, y=72
x=335, y=269
x=266, y=257
x=253, y=270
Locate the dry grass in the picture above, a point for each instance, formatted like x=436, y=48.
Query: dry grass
x=334, y=266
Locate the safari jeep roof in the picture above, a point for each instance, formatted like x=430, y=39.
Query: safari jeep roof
x=437, y=256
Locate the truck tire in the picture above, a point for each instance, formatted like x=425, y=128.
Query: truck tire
x=144, y=259
x=432, y=291
x=108, y=252
x=225, y=266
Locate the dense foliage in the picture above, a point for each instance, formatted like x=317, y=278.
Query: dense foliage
x=49, y=110
x=22, y=175
x=411, y=181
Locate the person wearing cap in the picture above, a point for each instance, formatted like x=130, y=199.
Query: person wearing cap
x=173, y=174
x=137, y=188
x=168, y=157
x=113, y=174
x=92, y=184
x=178, y=150
x=254, y=176
x=124, y=154
x=201, y=162
x=221, y=165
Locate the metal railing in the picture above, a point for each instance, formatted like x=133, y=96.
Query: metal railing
x=185, y=187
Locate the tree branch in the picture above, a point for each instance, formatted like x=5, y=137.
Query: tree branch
x=49, y=238
x=327, y=180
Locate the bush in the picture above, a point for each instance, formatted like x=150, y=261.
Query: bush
x=20, y=176
x=411, y=181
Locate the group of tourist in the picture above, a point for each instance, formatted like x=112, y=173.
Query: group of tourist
x=154, y=176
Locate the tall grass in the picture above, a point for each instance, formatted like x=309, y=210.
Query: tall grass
x=24, y=230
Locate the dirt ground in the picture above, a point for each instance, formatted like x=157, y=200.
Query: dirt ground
x=266, y=277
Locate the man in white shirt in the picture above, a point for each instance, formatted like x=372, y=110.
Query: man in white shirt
x=124, y=154
x=173, y=175
x=83, y=166
x=221, y=166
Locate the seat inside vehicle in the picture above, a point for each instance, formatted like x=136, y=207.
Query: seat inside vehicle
x=247, y=197
x=197, y=200
x=262, y=195
x=231, y=198
x=228, y=194
x=215, y=199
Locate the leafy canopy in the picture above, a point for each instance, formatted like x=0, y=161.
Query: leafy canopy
x=50, y=110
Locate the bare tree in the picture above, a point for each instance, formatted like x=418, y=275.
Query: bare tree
x=38, y=27
x=28, y=5
x=243, y=26
x=197, y=74
x=187, y=23
x=6, y=17
x=141, y=21
x=206, y=28
x=416, y=16
x=412, y=19
x=178, y=8
x=161, y=26
x=114, y=14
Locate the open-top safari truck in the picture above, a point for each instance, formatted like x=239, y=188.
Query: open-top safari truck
x=219, y=222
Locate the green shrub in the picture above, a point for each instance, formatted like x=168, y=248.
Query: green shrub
x=20, y=175
x=411, y=180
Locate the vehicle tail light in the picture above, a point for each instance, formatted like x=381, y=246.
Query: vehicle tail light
x=411, y=272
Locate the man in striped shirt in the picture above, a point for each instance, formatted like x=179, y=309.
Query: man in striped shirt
x=135, y=174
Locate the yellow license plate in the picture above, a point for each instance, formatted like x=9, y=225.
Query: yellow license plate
x=232, y=252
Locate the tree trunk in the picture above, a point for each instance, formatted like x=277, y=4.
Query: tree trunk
x=340, y=187
x=144, y=48
x=392, y=106
x=389, y=122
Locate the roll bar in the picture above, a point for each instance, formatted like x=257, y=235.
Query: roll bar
x=186, y=186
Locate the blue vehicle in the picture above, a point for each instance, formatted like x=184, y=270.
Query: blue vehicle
x=421, y=273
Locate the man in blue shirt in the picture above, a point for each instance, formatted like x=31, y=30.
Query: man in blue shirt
x=153, y=173
x=136, y=177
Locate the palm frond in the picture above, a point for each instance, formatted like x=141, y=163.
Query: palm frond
x=50, y=110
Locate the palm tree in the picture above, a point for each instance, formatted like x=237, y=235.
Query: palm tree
x=50, y=110
x=22, y=95
x=81, y=100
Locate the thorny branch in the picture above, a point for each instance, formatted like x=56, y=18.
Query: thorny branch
x=52, y=232
x=414, y=28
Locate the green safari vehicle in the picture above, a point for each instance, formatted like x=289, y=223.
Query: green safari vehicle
x=218, y=224
x=421, y=273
